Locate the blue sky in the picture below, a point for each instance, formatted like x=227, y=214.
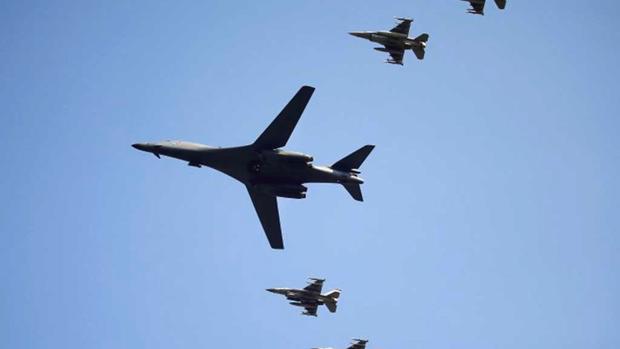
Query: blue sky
x=491, y=216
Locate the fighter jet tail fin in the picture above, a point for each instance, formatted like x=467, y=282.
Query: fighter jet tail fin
x=354, y=160
x=332, y=307
x=420, y=51
x=334, y=294
x=422, y=38
x=332, y=304
x=355, y=190
x=501, y=4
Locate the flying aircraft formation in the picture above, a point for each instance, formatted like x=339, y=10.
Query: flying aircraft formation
x=268, y=171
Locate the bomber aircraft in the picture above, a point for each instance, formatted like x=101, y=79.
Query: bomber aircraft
x=268, y=171
x=477, y=6
x=310, y=297
x=357, y=344
x=396, y=41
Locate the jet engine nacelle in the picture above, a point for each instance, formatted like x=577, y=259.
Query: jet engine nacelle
x=289, y=156
x=292, y=191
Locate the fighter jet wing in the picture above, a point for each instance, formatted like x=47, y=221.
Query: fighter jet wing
x=477, y=6
x=310, y=309
x=402, y=27
x=281, y=128
x=358, y=344
x=266, y=207
x=315, y=286
x=396, y=53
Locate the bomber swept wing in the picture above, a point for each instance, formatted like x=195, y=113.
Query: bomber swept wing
x=266, y=207
x=276, y=136
x=281, y=128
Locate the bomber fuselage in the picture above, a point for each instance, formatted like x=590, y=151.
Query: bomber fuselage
x=267, y=167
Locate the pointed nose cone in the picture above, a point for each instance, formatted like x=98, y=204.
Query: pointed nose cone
x=140, y=146
x=359, y=34
x=272, y=290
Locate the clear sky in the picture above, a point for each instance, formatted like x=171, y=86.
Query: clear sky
x=492, y=199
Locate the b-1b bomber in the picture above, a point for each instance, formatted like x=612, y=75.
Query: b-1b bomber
x=310, y=297
x=396, y=41
x=268, y=171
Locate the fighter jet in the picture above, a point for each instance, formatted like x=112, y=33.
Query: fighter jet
x=396, y=41
x=357, y=344
x=310, y=297
x=477, y=6
x=268, y=171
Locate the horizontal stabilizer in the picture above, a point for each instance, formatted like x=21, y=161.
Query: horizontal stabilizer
x=419, y=52
x=422, y=38
x=355, y=190
x=331, y=307
x=353, y=160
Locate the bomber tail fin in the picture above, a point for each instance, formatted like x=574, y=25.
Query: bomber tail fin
x=352, y=163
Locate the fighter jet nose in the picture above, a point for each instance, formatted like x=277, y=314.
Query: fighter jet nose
x=363, y=35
